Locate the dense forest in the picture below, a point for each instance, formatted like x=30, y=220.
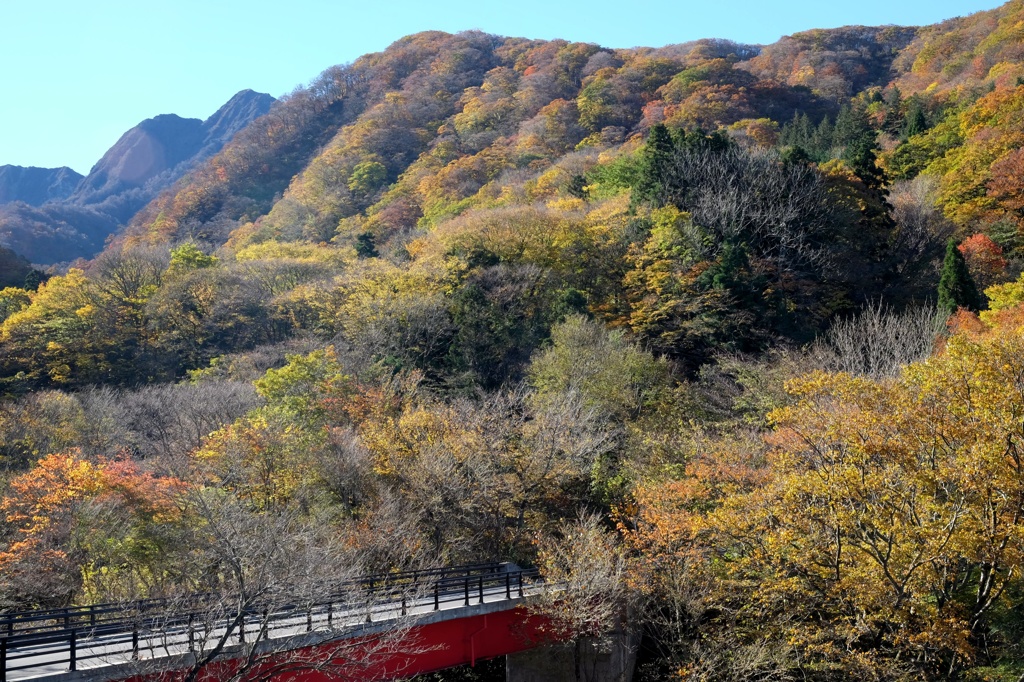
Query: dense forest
x=729, y=335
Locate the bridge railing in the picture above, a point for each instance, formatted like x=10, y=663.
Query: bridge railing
x=75, y=635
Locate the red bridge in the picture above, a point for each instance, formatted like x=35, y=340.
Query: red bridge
x=380, y=627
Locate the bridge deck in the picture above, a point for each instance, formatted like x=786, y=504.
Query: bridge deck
x=125, y=649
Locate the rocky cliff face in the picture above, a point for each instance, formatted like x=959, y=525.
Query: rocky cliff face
x=53, y=215
x=36, y=186
x=144, y=153
x=159, y=150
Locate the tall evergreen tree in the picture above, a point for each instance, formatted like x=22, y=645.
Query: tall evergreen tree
x=821, y=146
x=656, y=161
x=862, y=155
x=578, y=187
x=366, y=246
x=956, y=287
x=853, y=132
x=797, y=133
x=851, y=126
x=894, y=111
x=916, y=123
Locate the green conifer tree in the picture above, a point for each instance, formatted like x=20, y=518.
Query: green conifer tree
x=799, y=132
x=956, y=287
x=851, y=126
x=656, y=161
x=916, y=123
x=366, y=245
x=853, y=132
x=578, y=187
x=894, y=111
x=821, y=147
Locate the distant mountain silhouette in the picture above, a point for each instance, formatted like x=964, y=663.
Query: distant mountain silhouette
x=57, y=215
x=36, y=186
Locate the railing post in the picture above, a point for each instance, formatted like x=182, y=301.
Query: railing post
x=437, y=596
x=330, y=614
x=92, y=615
x=481, y=585
x=403, y=605
x=309, y=619
x=3, y=658
x=191, y=633
x=508, y=585
x=135, y=642
x=241, y=628
x=73, y=658
x=520, y=584
x=466, y=583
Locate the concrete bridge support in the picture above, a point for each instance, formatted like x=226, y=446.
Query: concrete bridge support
x=606, y=659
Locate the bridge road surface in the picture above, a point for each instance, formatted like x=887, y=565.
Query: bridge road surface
x=332, y=621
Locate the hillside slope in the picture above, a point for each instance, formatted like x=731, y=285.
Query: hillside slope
x=438, y=123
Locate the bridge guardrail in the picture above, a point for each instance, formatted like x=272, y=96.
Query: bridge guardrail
x=145, y=625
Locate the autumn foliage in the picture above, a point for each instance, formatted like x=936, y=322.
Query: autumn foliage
x=859, y=543
x=984, y=259
x=73, y=518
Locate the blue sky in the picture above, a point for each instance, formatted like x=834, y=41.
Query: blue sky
x=76, y=75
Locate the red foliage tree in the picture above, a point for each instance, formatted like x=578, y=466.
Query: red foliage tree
x=984, y=259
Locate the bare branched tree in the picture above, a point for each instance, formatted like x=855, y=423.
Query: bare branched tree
x=585, y=591
x=920, y=224
x=921, y=231
x=504, y=465
x=130, y=274
x=683, y=618
x=173, y=419
x=254, y=607
x=782, y=208
x=759, y=661
x=585, y=596
x=879, y=341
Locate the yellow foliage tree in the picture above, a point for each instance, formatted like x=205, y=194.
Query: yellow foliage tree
x=884, y=534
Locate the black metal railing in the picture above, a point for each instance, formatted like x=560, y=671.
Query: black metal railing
x=68, y=637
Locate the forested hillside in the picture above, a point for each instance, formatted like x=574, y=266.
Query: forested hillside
x=731, y=334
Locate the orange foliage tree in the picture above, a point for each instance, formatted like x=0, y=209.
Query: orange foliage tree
x=78, y=527
x=1006, y=186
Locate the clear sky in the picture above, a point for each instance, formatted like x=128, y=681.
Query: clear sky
x=75, y=75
